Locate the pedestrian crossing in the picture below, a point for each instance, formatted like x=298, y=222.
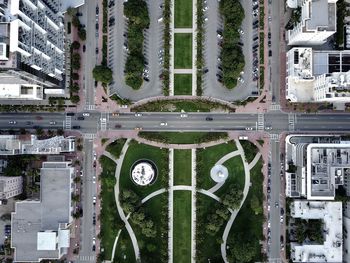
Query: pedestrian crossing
x=68, y=123
x=261, y=121
x=275, y=107
x=90, y=107
x=89, y=136
x=104, y=119
x=275, y=137
x=87, y=258
x=291, y=121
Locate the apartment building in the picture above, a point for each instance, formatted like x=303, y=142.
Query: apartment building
x=10, y=186
x=317, y=76
x=318, y=22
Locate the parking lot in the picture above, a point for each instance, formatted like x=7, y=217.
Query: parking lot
x=213, y=24
x=5, y=209
x=153, y=51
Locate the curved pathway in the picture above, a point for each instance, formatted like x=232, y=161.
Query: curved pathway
x=151, y=195
x=180, y=146
x=245, y=193
x=116, y=194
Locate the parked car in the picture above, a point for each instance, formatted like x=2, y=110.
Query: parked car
x=80, y=118
x=209, y=118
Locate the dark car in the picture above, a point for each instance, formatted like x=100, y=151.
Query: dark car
x=29, y=123
x=84, y=48
x=93, y=248
x=76, y=127
x=97, y=10
x=118, y=126
x=208, y=118
x=270, y=53
x=268, y=189
x=146, y=79
x=96, y=51
x=94, y=220
x=81, y=118
x=206, y=70
x=70, y=114
x=96, y=26
x=282, y=211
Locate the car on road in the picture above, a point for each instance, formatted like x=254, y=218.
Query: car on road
x=276, y=204
x=163, y=123
x=12, y=122
x=138, y=128
x=137, y=114
x=115, y=114
x=86, y=114
x=268, y=128
x=183, y=115
x=117, y=126
x=268, y=208
x=84, y=48
x=94, y=200
x=209, y=118
x=282, y=211
x=96, y=51
x=80, y=118
x=97, y=10
x=240, y=30
x=76, y=127
x=70, y=114
x=94, y=223
x=249, y=128
x=269, y=189
x=240, y=79
x=52, y=122
x=29, y=122
x=93, y=247
x=281, y=219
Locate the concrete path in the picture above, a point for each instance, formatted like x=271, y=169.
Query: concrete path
x=193, y=207
x=116, y=194
x=255, y=160
x=115, y=245
x=183, y=30
x=235, y=212
x=229, y=156
x=183, y=71
x=171, y=204
x=153, y=194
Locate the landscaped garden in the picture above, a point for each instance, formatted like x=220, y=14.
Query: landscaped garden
x=183, y=84
x=183, y=50
x=183, y=137
x=183, y=13
x=182, y=227
x=207, y=158
x=182, y=167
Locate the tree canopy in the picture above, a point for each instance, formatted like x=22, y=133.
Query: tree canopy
x=103, y=74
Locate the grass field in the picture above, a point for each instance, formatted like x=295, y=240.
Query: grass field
x=206, y=159
x=236, y=175
x=183, y=13
x=183, y=50
x=124, y=251
x=247, y=230
x=182, y=84
x=110, y=221
x=115, y=148
x=182, y=227
x=182, y=167
x=136, y=152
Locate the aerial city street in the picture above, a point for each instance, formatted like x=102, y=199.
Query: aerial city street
x=175, y=131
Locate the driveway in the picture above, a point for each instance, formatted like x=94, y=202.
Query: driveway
x=152, y=44
x=211, y=87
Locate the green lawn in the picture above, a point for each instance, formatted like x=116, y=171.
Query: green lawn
x=136, y=152
x=236, y=175
x=206, y=159
x=183, y=84
x=207, y=246
x=183, y=13
x=155, y=249
x=115, y=148
x=124, y=251
x=182, y=227
x=247, y=230
x=182, y=167
x=183, y=137
x=183, y=50
x=110, y=221
x=250, y=150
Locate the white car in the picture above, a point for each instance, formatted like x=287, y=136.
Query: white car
x=86, y=114
x=138, y=114
x=205, y=8
x=93, y=241
x=240, y=31
x=220, y=36
x=94, y=199
x=163, y=124
x=249, y=128
x=268, y=208
x=52, y=122
x=240, y=80
x=183, y=115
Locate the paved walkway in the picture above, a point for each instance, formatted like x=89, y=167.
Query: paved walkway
x=182, y=30
x=171, y=204
x=193, y=207
x=183, y=71
x=116, y=194
x=115, y=245
x=153, y=194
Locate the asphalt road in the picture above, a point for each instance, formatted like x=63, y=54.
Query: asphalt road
x=274, y=122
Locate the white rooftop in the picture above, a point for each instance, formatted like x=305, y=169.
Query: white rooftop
x=331, y=214
x=46, y=241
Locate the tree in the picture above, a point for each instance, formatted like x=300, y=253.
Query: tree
x=71, y=11
x=255, y=205
x=75, y=197
x=77, y=179
x=82, y=34
x=79, y=147
x=75, y=45
x=76, y=21
x=75, y=76
x=39, y=131
x=242, y=251
x=103, y=74
x=233, y=198
x=22, y=131
x=75, y=99
x=74, y=88
x=60, y=132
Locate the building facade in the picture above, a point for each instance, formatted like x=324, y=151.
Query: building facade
x=10, y=186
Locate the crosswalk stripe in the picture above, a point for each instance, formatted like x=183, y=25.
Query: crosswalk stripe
x=274, y=136
x=261, y=121
x=104, y=119
x=275, y=107
x=291, y=121
x=90, y=107
x=68, y=123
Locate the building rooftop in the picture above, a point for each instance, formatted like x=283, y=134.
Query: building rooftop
x=37, y=224
x=331, y=214
x=320, y=15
